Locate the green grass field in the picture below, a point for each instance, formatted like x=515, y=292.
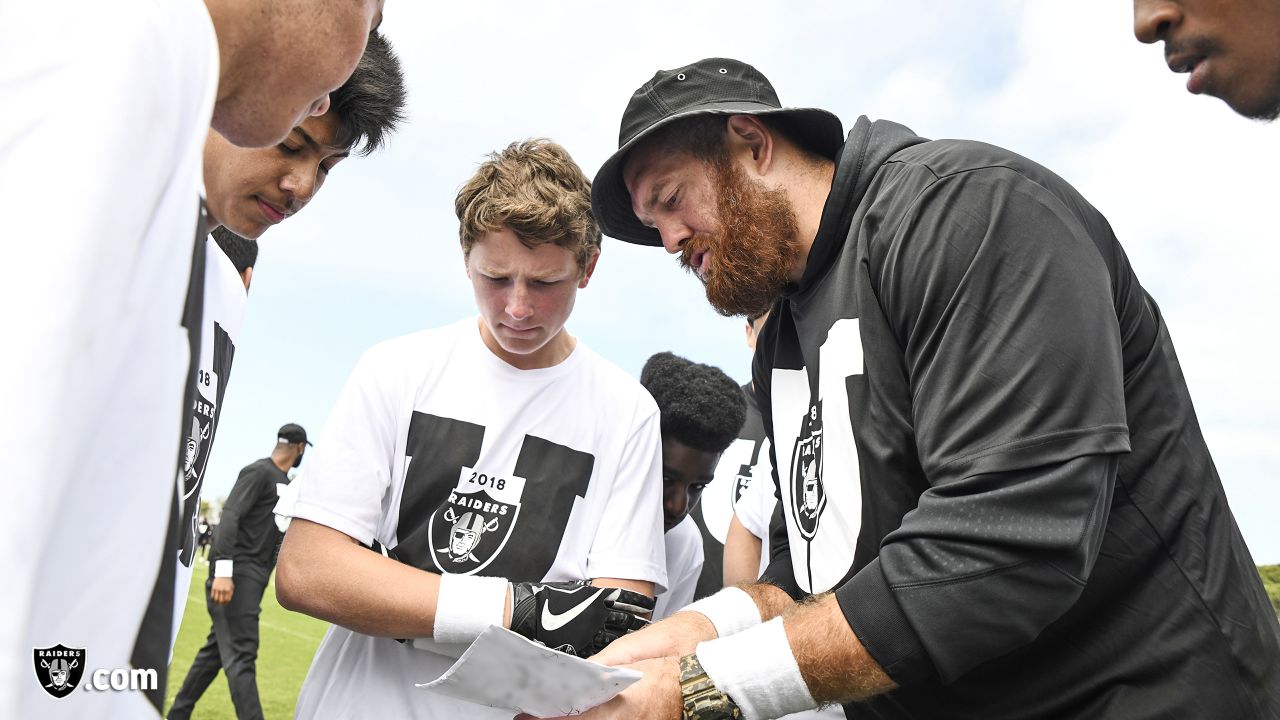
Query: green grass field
x=289, y=640
x=287, y=643
x=1271, y=579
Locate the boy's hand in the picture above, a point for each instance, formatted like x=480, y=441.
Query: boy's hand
x=576, y=617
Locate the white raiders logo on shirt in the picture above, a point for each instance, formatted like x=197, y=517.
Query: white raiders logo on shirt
x=210, y=384
x=741, y=482
x=734, y=474
x=823, y=505
x=198, y=435
x=472, y=527
x=808, y=498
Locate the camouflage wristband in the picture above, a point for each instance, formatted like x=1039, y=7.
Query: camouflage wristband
x=701, y=698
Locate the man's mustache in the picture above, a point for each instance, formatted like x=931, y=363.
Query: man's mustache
x=694, y=245
x=1194, y=45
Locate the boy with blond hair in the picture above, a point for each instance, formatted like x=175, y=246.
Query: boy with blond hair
x=498, y=460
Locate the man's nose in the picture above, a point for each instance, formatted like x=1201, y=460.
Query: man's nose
x=519, y=304
x=674, y=235
x=1152, y=19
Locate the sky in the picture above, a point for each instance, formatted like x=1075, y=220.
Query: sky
x=1188, y=186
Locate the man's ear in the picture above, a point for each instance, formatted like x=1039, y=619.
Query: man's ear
x=748, y=136
x=591, y=267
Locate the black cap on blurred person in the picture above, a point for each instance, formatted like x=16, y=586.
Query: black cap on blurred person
x=292, y=433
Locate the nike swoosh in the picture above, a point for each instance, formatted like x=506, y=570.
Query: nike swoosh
x=553, y=621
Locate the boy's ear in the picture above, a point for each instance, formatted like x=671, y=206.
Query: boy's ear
x=591, y=267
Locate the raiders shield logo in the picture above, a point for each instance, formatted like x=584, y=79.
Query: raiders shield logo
x=59, y=669
x=210, y=384
x=471, y=528
x=191, y=452
x=741, y=483
x=808, y=497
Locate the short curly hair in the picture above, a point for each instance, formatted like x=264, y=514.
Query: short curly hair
x=701, y=406
x=535, y=188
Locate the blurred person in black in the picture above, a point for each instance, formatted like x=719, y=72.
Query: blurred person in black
x=244, y=551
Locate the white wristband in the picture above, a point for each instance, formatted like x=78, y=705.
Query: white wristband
x=731, y=610
x=222, y=568
x=467, y=605
x=757, y=669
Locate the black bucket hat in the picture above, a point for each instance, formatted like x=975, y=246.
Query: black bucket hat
x=711, y=86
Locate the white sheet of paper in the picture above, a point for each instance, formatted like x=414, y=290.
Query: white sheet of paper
x=505, y=670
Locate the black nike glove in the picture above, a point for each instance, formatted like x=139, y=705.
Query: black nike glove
x=575, y=617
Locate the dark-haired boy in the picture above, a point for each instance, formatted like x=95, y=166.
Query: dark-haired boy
x=244, y=185
x=251, y=189
x=702, y=410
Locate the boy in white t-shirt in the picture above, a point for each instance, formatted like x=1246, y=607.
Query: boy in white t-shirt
x=106, y=109
x=498, y=460
x=246, y=186
x=702, y=410
x=746, y=547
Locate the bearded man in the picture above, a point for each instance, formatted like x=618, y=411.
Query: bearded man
x=994, y=492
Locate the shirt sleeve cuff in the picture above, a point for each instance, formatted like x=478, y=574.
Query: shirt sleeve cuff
x=599, y=566
x=883, y=629
x=321, y=515
x=222, y=568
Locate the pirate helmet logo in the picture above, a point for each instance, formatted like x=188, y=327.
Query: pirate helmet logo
x=470, y=530
x=466, y=534
x=59, y=669
x=191, y=451
x=808, y=496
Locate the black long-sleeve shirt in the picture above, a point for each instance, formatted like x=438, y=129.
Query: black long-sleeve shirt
x=247, y=533
x=985, y=445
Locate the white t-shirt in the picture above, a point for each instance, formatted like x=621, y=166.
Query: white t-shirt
x=684, y=565
x=457, y=462
x=224, y=309
x=744, y=472
x=741, y=465
x=755, y=510
x=106, y=107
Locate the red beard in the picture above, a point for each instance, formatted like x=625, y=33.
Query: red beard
x=757, y=245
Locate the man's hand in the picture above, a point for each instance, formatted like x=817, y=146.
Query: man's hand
x=222, y=590
x=655, y=697
x=677, y=635
x=575, y=617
